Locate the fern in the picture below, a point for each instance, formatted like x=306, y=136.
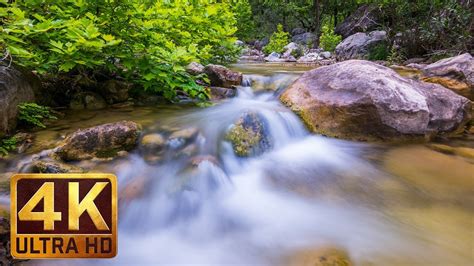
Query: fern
x=34, y=114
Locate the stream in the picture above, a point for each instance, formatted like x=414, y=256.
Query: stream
x=382, y=204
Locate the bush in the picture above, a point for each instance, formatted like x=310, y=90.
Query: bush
x=7, y=145
x=147, y=42
x=379, y=52
x=278, y=41
x=329, y=40
x=34, y=114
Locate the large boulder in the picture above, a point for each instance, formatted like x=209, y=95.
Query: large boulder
x=15, y=87
x=360, y=45
x=361, y=100
x=101, y=141
x=297, y=31
x=364, y=19
x=307, y=38
x=221, y=76
x=455, y=73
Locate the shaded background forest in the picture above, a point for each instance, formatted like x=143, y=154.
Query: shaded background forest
x=426, y=27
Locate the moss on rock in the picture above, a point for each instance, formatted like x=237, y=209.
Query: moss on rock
x=248, y=136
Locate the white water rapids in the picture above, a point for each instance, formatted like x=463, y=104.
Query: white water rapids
x=307, y=191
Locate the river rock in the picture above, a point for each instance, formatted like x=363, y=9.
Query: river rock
x=325, y=55
x=273, y=57
x=115, y=91
x=100, y=141
x=15, y=87
x=152, y=143
x=291, y=49
x=87, y=100
x=249, y=136
x=259, y=44
x=297, y=31
x=310, y=58
x=361, y=100
x=239, y=43
x=40, y=166
x=5, y=253
x=365, y=18
x=218, y=93
x=359, y=45
x=221, y=76
x=249, y=54
x=455, y=73
x=180, y=138
x=194, y=68
x=307, y=39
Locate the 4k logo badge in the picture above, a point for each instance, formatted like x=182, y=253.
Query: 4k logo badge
x=63, y=216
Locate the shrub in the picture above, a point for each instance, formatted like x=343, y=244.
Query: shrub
x=278, y=41
x=379, y=52
x=148, y=42
x=34, y=114
x=7, y=145
x=329, y=40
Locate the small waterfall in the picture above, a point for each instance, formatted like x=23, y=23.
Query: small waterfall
x=223, y=209
x=215, y=208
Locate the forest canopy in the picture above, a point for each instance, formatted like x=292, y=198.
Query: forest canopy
x=150, y=42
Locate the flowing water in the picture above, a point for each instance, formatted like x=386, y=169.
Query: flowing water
x=382, y=204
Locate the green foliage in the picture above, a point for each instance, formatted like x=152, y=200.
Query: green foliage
x=148, y=42
x=396, y=56
x=7, y=145
x=329, y=40
x=34, y=114
x=379, y=52
x=278, y=41
x=245, y=20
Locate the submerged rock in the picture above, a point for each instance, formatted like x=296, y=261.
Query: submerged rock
x=15, y=87
x=364, y=101
x=180, y=138
x=455, y=73
x=152, y=143
x=248, y=136
x=221, y=76
x=324, y=256
x=100, y=141
x=360, y=45
x=218, y=93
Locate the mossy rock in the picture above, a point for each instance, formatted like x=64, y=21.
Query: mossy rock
x=54, y=167
x=248, y=136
